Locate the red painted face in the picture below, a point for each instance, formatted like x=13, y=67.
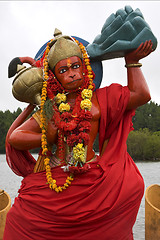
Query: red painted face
x=69, y=72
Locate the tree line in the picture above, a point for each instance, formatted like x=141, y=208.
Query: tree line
x=143, y=143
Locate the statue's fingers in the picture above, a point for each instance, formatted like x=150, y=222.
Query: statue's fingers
x=148, y=48
x=140, y=48
x=149, y=51
x=150, y=45
x=144, y=48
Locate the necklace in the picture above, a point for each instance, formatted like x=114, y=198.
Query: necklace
x=73, y=123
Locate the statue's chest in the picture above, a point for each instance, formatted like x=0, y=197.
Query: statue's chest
x=95, y=110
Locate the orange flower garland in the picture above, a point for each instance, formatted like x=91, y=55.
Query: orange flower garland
x=50, y=180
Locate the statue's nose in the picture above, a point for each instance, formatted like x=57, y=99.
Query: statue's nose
x=72, y=76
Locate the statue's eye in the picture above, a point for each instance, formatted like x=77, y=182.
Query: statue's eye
x=63, y=70
x=76, y=66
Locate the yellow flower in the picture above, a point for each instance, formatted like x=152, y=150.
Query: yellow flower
x=86, y=93
x=56, y=189
x=46, y=161
x=54, y=186
x=82, y=158
x=45, y=150
x=47, y=50
x=49, y=180
x=47, y=170
x=86, y=104
x=80, y=145
x=67, y=181
x=44, y=143
x=64, y=107
x=43, y=98
x=70, y=178
x=89, y=68
x=60, y=98
x=85, y=55
x=90, y=77
x=79, y=152
x=60, y=188
x=90, y=87
x=66, y=185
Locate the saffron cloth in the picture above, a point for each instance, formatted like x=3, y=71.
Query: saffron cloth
x=100, y=204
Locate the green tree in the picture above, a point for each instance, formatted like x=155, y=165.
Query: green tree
x=147, y=116
x=144, y=145
x=6, y=119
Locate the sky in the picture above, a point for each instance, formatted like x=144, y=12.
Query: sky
x=26, y=25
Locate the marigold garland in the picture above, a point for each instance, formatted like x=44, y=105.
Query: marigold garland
x=64, y=108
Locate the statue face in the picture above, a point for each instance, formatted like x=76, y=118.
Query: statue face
x=69, y=72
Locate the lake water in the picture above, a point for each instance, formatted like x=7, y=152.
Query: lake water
x=149, y=170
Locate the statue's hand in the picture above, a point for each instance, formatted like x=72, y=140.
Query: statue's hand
x=142, y=51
